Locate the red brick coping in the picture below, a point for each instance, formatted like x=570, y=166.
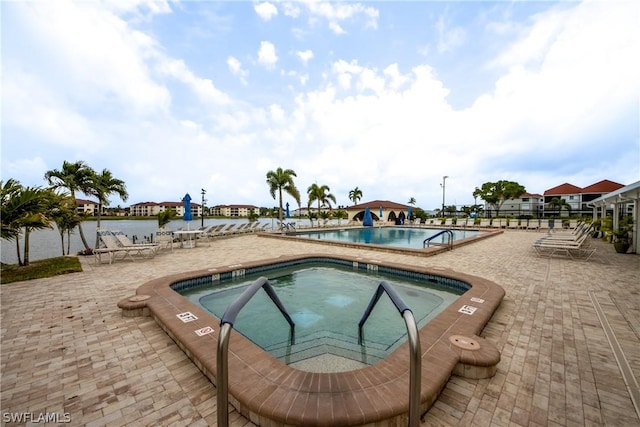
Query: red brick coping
x=271, y=393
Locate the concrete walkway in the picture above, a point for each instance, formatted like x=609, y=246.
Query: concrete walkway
x=568, y=331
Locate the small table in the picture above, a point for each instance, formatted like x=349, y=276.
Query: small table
x=192, y=236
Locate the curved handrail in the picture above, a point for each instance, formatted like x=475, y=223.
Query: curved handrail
x=226, y=324
x=425, y=242
x=415, y=369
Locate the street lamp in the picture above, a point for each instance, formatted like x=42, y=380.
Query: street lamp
x=444, y=180
x=203, y=200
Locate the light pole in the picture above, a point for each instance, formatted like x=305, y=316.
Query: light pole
x=203, y=200
x=444, y=180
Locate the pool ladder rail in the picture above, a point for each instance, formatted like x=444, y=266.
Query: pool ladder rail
x=415, y=354
x=226, y=324
x=447, y=232
x=229, y=317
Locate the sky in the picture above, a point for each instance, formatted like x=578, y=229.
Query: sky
x=174, y=97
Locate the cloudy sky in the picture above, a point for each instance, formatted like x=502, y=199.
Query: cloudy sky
x=173, y=97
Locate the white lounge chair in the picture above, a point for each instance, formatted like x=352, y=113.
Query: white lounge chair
x=578, y=249
x=147, y=249
x=164, y=239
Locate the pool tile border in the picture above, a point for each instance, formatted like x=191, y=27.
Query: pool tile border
x=269, y=392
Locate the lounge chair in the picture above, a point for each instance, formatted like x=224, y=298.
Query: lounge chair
x=533, y=224
x=578, y=249
x=448, y=222
x=147, y=249
x=484, y=223
x=113, y=249
x=544, y=225
x=513, y=224
x=164, y=239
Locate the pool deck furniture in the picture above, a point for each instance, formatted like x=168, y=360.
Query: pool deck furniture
x=191, y=238
x=574, y=249
x=147, y=249
x=114, y=250
x=164, y=239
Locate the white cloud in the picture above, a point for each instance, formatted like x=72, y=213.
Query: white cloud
x=235, y=66
x=265, y=10
x=305, y=55
x=267, y=54
x=335, y=13
x=449, y=38
x=203, y=88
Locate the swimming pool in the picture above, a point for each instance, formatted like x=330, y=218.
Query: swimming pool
x=326, y=303
x=269, y=392
x=389, y=239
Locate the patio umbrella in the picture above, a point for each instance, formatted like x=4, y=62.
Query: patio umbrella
x=408, y=212
x=380, y=213
x=288, y=214
x=186, y=202
x=367, y=221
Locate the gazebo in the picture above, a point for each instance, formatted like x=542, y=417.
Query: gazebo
x=624, y=201
x=391, y=211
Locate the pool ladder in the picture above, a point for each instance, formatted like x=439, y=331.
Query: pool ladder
x=226, y=324
x=448, y=232
x=415, y=354
x=229, y=317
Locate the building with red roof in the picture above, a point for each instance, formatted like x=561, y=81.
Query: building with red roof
x=578, y=198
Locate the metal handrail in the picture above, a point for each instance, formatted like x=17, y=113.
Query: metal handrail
x=449, y=233
x=226, y=324
x=415, y=368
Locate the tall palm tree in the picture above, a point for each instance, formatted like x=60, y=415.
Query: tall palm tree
x=73, y=177
x=321, y=194
x=282, y=180
x=412, y=201
x=355, y=195
x=65, y=214
x=102, y=186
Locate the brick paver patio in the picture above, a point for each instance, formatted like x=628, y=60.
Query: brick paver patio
x=67, y=351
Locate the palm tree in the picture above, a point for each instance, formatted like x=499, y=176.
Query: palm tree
x=73, y=177
x=8, y=191
x=282, y=180
x=65, y=214
x=355, y=195
x=24, y=208
x=102, y=186
x=412, y=201
x=559, y=203
x=320, y=193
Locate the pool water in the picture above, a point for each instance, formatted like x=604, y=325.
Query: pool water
x=326, y=304
x=404, y=237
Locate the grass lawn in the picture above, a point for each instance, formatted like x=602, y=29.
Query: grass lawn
x=39, y=269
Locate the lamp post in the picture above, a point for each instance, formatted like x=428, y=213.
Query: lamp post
x=444, y=180
x=203, y=200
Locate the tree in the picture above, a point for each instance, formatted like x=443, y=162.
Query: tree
x=65, y=214
x=412, y=201
x=165, y=217
x=559, y=203
x=282, y=180
x=103, y=185
x=24, y=208
x=73, y=177
x=496, y=193
x=321, y=194
x=355, y=195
